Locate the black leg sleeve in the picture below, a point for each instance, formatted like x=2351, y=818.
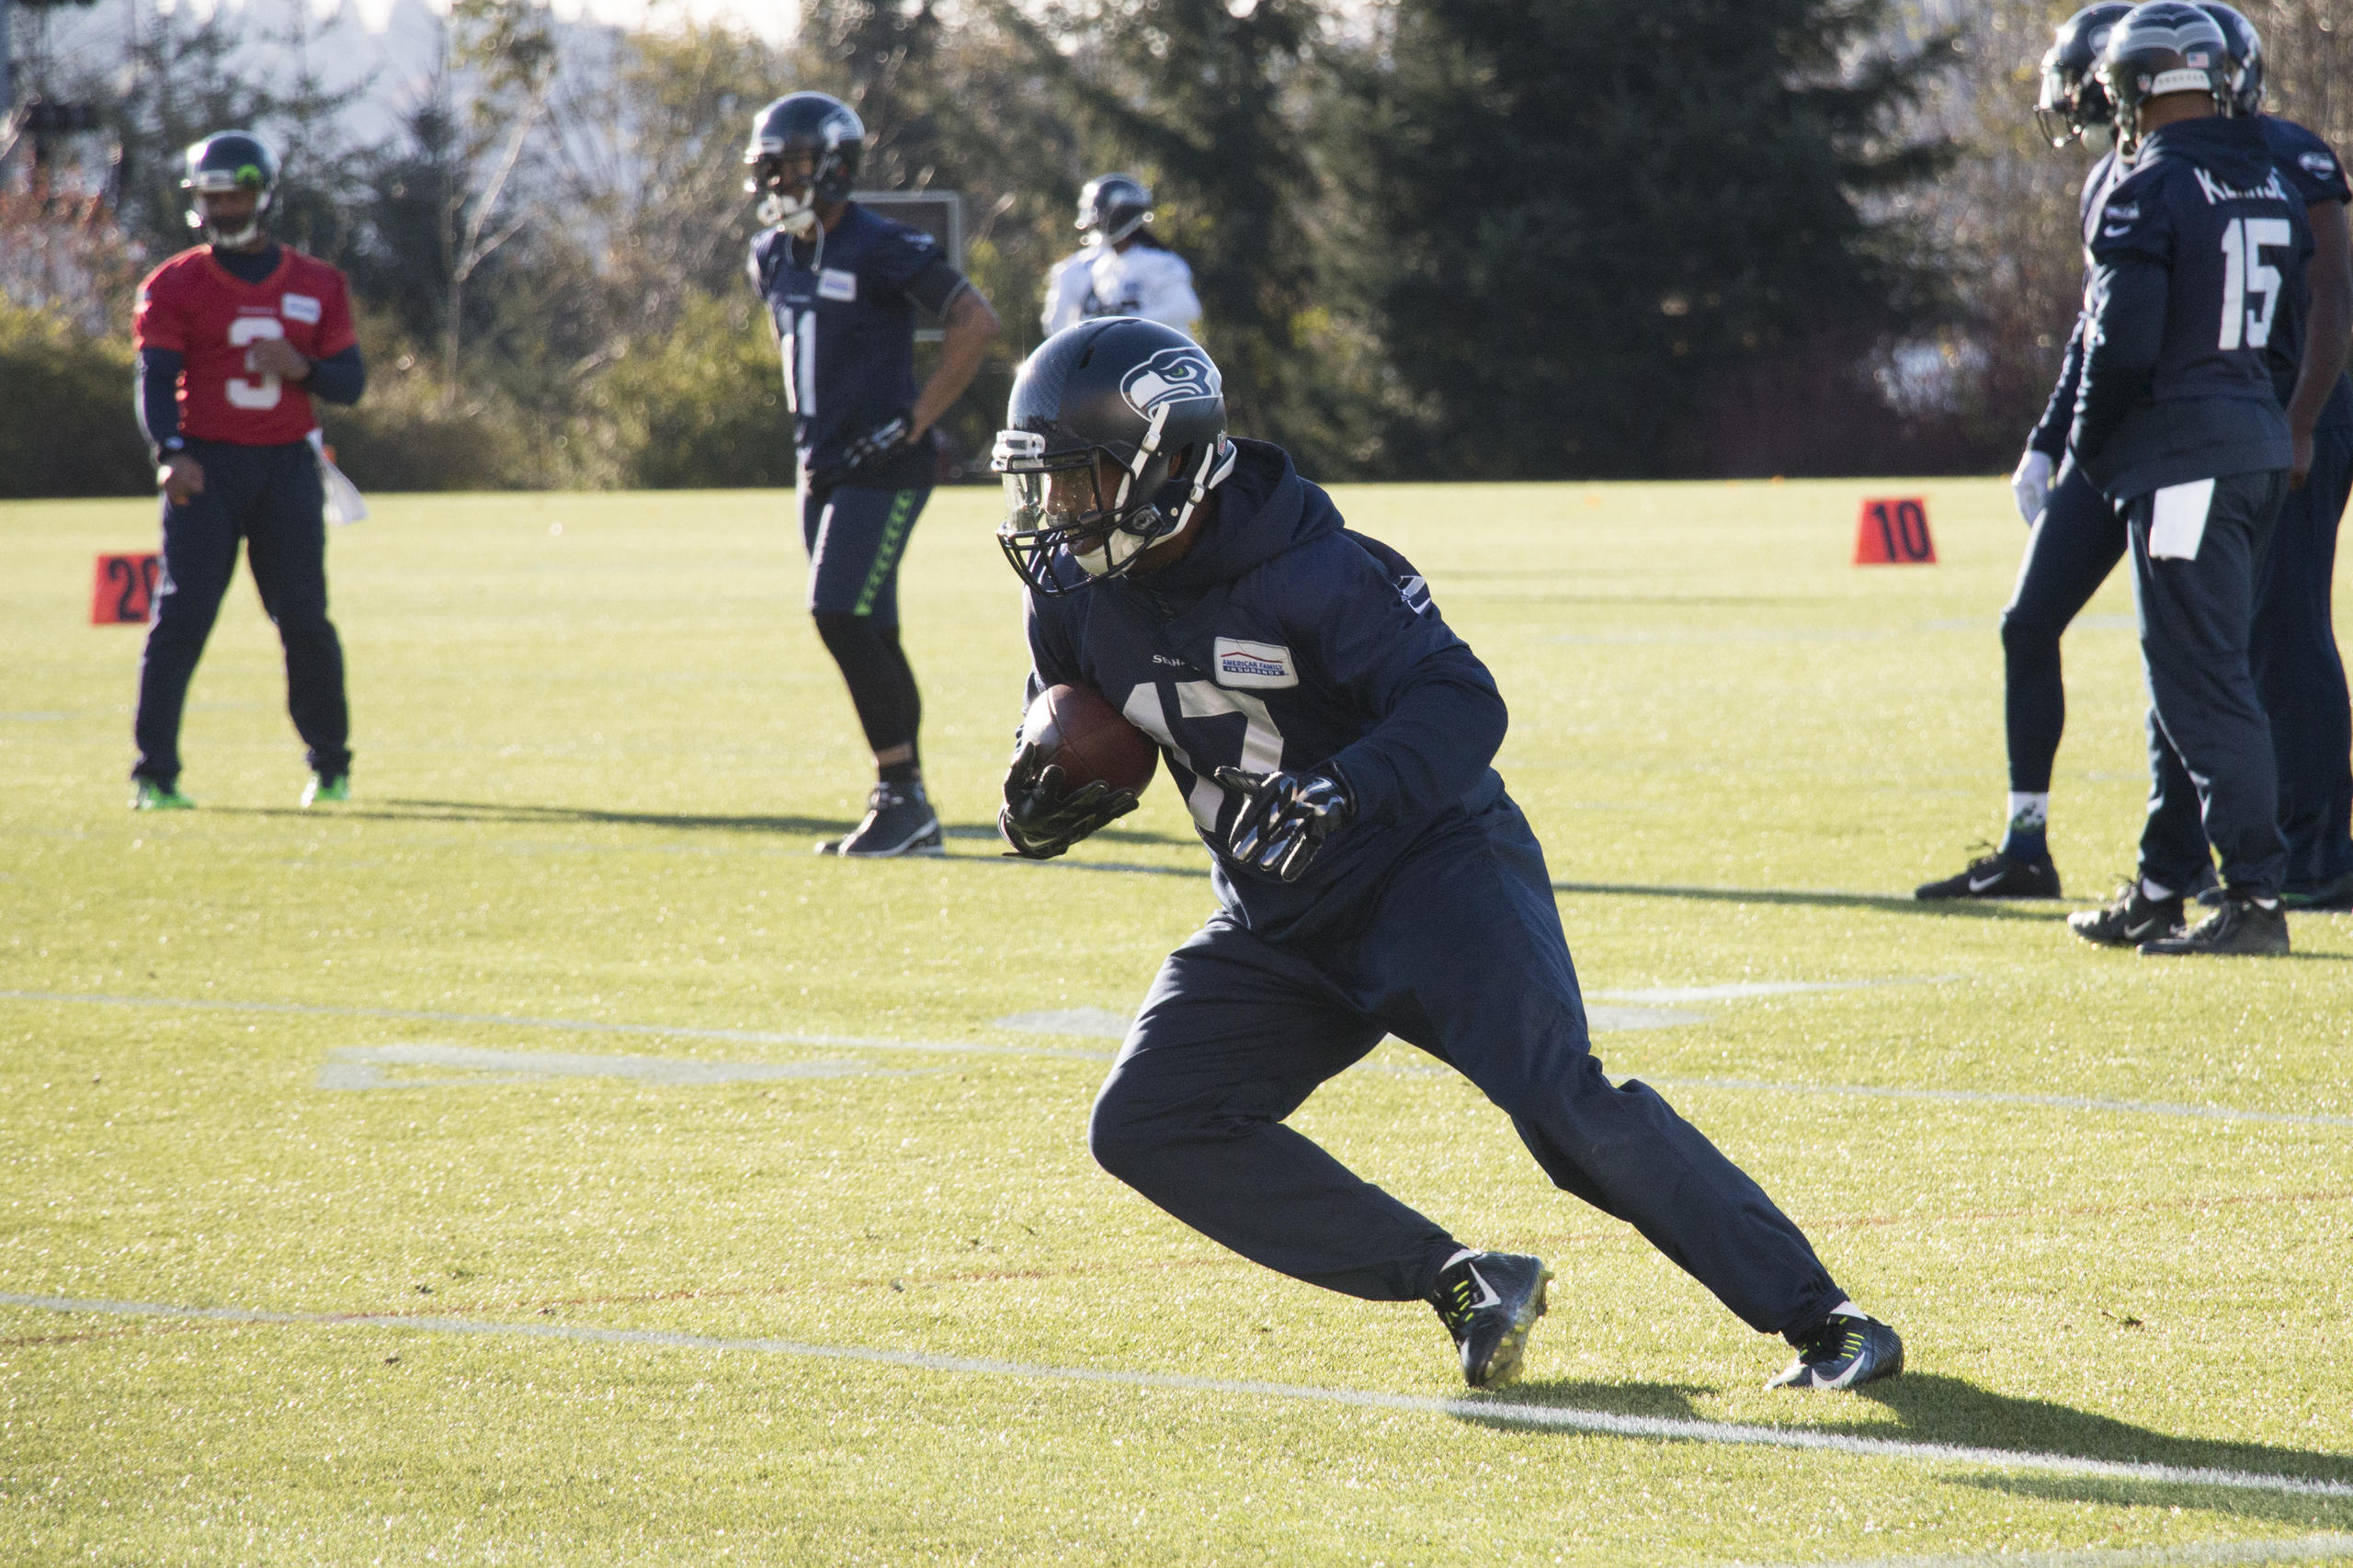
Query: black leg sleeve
x=882, y=687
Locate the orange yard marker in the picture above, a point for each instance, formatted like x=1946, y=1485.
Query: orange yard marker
x=125, y=589
x=1895, y=533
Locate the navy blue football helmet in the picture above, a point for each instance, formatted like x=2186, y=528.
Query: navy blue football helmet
x=226, y=161
x=1114, y=434
x=2245, y=47
x=2159, y=48
x=805, y=148
x=2072, y=100
x=1112, y=207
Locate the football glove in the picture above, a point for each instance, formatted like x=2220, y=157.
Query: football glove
x=875, y=443
x=1042, y=815
x=1284, y=818
x=2031, y=483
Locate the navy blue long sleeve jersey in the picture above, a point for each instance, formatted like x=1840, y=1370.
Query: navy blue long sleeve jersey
x=2051, y=433
x=2310, y=169
x=2195, y=250
x=1281, y=639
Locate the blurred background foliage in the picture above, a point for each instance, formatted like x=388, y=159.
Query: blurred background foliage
x=1434, y=239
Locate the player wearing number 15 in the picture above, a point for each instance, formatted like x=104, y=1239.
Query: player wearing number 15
x=235, y=336
x=2178, y=423
x=1333, y=741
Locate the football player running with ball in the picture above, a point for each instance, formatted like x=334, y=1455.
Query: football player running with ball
x=235, y=337
x=1334, y=738
x=841, y=285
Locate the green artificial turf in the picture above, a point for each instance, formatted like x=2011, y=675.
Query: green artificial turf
x=597, y=739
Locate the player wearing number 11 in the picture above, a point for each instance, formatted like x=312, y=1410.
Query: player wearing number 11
x=1333, y=740
x=235, y=336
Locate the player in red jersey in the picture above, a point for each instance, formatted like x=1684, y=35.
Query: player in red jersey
x=235, y=337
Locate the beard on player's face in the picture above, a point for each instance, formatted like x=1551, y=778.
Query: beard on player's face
x=232, y=217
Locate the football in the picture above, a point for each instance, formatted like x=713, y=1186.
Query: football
x=1085, y=736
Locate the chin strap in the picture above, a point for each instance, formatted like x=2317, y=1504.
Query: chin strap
x=1223, y=456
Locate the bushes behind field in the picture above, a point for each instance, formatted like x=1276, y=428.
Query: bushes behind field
x=702, y=406
x=65, y=416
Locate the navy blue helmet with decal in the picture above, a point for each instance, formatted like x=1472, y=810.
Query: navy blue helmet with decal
x=2159, y=48
x=804, y=148
x=227, y=160
x=2072, y=100
x=1115, y=433
x=1112, y=207
x=2244, y=46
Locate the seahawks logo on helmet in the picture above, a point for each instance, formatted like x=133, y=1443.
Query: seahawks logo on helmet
x=1171, y=377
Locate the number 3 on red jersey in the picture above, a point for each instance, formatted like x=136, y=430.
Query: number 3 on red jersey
x=266, y=392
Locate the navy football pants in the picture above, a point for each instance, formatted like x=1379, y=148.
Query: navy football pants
x=2300, y=676
x=2076, y=543
x=270, y=497
x=1462, y=955
x=855, y=538
x=2211, y=779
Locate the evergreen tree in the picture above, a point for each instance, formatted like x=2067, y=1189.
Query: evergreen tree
x=1573, y=221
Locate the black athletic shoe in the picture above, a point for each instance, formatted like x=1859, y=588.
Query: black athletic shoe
x=1996, y=876
x=899, y=821
x=2130, y=920
x=2240, y=928
x=1488, y=1302
x=1848, y=1351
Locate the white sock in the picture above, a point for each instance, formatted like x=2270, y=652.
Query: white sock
x=2155, y=892
x=1458, y=1257
x=2030, y=810
x=1847, y=1310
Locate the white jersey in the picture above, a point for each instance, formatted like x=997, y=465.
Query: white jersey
x=1142, y=280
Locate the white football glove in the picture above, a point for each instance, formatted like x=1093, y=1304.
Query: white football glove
x=2031, y=483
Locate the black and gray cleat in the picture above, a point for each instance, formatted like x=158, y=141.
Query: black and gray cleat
x=899, y=821
x=1848, y=1350
x=2130, y=919
x=1996, y=876
x=2240, y=928
x=1488, y=1301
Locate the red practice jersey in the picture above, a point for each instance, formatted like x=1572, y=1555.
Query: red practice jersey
x=194, y=307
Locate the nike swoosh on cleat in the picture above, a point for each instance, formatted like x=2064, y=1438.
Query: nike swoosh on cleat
x=1976, y=886
x=2132, y=933
x=1492, y=1298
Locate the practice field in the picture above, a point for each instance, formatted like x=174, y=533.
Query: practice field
x=545, y=1158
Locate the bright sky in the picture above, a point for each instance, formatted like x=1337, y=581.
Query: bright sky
x=770, y=18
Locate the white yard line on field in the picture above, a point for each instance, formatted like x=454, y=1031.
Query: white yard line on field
x=1995, y=1096
x=570, y=1025
x=1495, y=1411
x=854, y=1042
x=2199, y=1554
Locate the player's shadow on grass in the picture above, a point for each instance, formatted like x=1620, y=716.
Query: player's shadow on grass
x=1671, y=1402
x=1931, y=1408
x=1937, y=1409
x=1884, y=904
x=487, y=812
